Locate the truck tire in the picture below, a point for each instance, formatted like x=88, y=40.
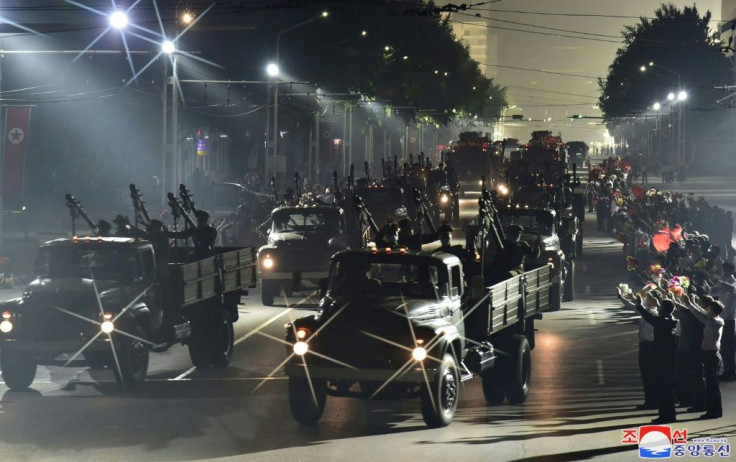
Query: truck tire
x=199, y=343
x=569, y=285
x=222, y=343
x=306, y=407
x=439, y=399
x=132, y=364
x=493, y=386
x=95, y=360
x=269, y=290
x=18, y=368
x=518, y=373
x=555, y=296
x=579, y=243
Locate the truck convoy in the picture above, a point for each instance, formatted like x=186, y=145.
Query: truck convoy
x=473, y=155
x=107, y=301
x=401, y=324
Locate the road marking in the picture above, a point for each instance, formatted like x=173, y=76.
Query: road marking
x=599, y=364
x=182, y=376
x=592, y=319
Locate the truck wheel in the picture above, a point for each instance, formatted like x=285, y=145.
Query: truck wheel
x=18, y=368
x=569, y=285
x=439, y=399
x=306, y=407
x=579, y=243
x=555, y=296
x=493, y=386
x=132, y=356
x=222, y=343
x=269, y=290
x=518, y=374
x=199, y=345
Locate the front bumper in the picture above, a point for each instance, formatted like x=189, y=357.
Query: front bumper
x=411, y=375
x=290, y=276
x=54, y=346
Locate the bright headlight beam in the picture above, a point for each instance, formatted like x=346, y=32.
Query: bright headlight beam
x=107, y=327
x=419, y=354
x=268, y=263
x=6, y=326
x=301, y=348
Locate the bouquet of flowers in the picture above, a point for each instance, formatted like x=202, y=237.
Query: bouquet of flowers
x=656, y=271
x=625, y=290
x=678, y=285
x=631, y=263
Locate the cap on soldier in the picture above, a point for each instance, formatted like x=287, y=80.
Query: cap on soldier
x=104, y=225
x=201, y=215
x=446, y=228
x=120, y=220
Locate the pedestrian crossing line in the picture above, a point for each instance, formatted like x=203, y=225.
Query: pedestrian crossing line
x=599, y=366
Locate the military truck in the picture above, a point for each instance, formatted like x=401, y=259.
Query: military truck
x=301, y=240
x=400, y=324
x=557, y=245
x=103, y=301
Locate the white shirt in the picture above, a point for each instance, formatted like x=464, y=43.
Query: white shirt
x=646, y=330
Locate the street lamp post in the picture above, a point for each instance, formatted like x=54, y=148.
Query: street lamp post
x=680, y=96
x=274, y=71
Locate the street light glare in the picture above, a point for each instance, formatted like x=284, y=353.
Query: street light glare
x=325, y=14
x=643, y=68
x=118, y=19
x=187, y=17
x=656, y=106
x=272, y=70
x=168, y=47
x=682, y=96
x=671, y=96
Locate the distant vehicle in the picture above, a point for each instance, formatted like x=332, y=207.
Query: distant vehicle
x=473, y=155
x=577, y=153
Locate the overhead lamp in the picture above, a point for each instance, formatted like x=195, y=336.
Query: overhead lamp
x=118, y=19
x=272, y=69
x=682, y=95
x=168, y=47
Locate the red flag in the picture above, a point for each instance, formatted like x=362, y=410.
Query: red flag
x=17, y=122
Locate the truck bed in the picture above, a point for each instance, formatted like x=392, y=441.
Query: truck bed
x=228, y=271
x=507, y=302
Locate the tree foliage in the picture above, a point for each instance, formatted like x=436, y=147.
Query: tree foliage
x=675, y=49
x=406, y=60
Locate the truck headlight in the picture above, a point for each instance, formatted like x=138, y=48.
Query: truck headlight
x=107, y=325
x=503, y=190
x=301, y=348
x=444, y=199
x=6, y=325
x=267, y=262
x=419, y=353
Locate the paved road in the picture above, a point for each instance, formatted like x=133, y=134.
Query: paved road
x=584, y=389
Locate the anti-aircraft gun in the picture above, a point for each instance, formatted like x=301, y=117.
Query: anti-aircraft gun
x=77, y=211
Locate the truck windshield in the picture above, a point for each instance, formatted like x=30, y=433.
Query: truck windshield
x=79, y=262
x=285, y=222
x=532, y=223
x=373, y=279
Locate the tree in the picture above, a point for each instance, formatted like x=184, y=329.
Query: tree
x=406, y=59
x=674, y=47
